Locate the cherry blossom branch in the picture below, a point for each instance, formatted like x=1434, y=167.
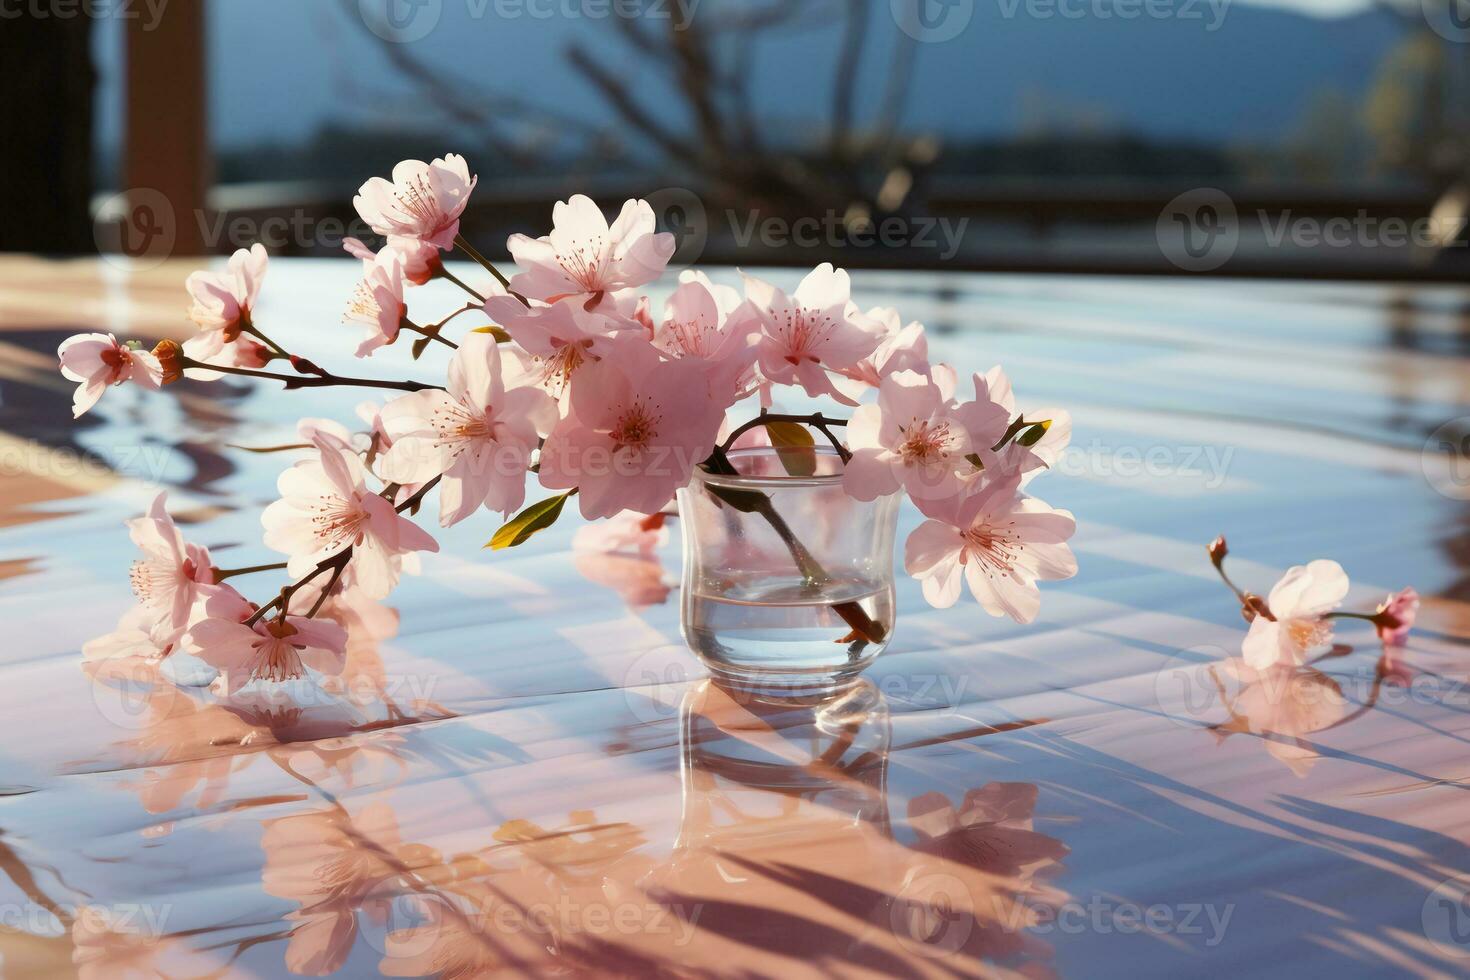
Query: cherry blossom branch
x=318, y=379
x=467, y=308
x=316, y=607
x=1251, y=605
x=470, y=250
x=817, y=421
x=429, y=333
x=336, y=564
x=864, y=628
x=220, y=574
x=277, y=349
x=458, y=282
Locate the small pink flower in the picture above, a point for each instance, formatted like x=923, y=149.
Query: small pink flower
x=478, y=434
x=242, y=352
x=1299, y=602
x=901, y=348
x=912, y=438
x=585, y=258
x=636, y=427
x=999, y=540
x=561, y=337
x=97, y=360
x=422, y=202
x=1402, y=608
x=172, y=574
x=223, y=301
x=272, y=650
x=806, y=335
x=421, y=260
x=696, y=325
x=986, y=420
x=377, y=305
x=1049, y=447
x=325, y=507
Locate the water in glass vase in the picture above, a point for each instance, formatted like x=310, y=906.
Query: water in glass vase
x=784, y=634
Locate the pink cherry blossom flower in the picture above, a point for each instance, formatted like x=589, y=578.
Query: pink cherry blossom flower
x=999, y=540
x=97, y=360
x=205, y=348
x=900, y=348
x=986, y=422
x=421, y=260
x=1402, y=608
x=1049, y=447
x=172, y=574
x=911, y=438
x=377, y=304
x=585, y=258
x=325, y=507
x=810, y=333
x=224, y=301
x=1298, y=602
x=561, y=337
x=696, y=325
x=478, y=434
x=422, y=202
x=274, y=649
x=636, y=427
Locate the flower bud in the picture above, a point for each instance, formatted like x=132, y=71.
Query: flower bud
x=303, y=366
x=1217, y=550
x=1253, y=606
x=171, y=358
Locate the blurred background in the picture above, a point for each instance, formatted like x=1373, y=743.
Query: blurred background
x=1321, y=138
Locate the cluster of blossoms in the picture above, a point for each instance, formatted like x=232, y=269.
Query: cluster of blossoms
x=582, y=381
x=1294, y=623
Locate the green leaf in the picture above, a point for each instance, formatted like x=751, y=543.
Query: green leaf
x=795, y=447
x=1033, y=434
x=537, y=517
x=501, y=337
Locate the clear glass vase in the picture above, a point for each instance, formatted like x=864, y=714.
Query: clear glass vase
x=788, y=581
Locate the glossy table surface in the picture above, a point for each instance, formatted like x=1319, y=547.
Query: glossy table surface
x=524, y=772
